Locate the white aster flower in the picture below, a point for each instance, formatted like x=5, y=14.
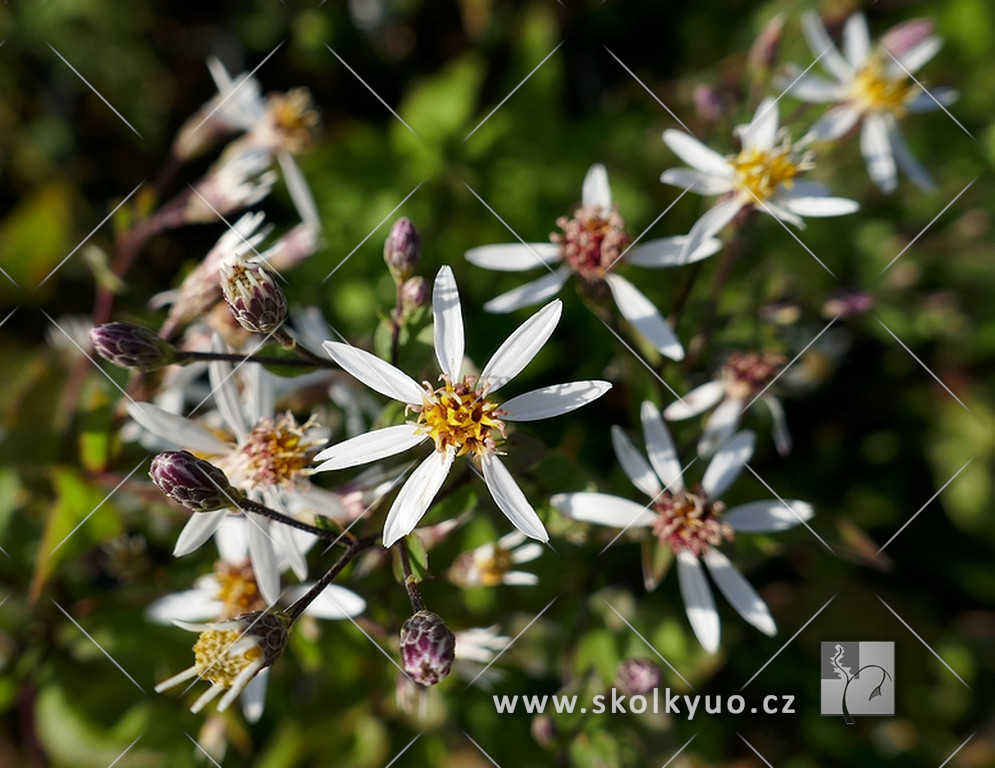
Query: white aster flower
x=743, y=377
x=232, y=591
x=763, y=175
x=268, y=458
x=690, y=523
x=592, y=242
x=872, y=86
x=459, y=417
x=493, y=563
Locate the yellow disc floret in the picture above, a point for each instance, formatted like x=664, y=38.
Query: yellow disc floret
x=875, y=91
x=459, y=417
x=216, y=657
x=762, y=171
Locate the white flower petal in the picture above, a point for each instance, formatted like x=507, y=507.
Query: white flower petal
x=645, y=317
x=761, y=131
x=696, y=154
x=513, y=257
x=907, y=162
x=179, y=430
x=377, y=374
x=603, y=509
x=698, y=601
x=448, y=317
x=636, y=468
x=728, y=463
x=815, y=89
x=832, y=125
x=372, y=446
x=299, y=191
x=189, y=605
x=822, y=46
x=534, y=292
x=232, y=539
x=779, y=425
x=782, y=214
x=768, y=516
x=660, y=447
x=264, y=563
x=527, y=553
x=253, y=698
x=510, y=498
x=285, y=541
x=222, y=380
x=856, y=40
x=260, y=393
x=552, y=401
x=817, y=206
x=709, y=225
x=927, y=102
x=914, y=58
x=596, y=190
x=520, y=347
x=333, y=603
x=876, y=149
x=699, y=182
x=520, y=579
x=739, y=592
x=416, y=495
x=697, y=401
x=198, y=529
x=720, y=425
x=666, y=252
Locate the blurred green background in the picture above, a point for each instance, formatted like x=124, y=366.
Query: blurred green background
x=875, y=435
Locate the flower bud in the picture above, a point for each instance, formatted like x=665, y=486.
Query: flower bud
x=253, y=295
x=428, y=648
x=763, y=54
x=709, y=104
x=402, y=250
x=847, y=305
x=637, y=677
x=414, y=294
x=131, y=346
x=196, y=484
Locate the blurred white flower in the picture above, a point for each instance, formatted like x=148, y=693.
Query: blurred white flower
x=459, y=417
x=592, y=242
x=493, y=563
x=691, y=523
x=873, y=86
x=763, y=175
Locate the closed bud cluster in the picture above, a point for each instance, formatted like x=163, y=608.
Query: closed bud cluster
x=131, y=346
x=637, y=677
x=414, y=294
x=253, y=295
x=402, y=249
x=428, y=647
x=194, y=483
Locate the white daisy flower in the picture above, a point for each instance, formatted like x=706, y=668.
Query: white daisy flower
x=592, y=242
x=459, y=417
x=763, y=175
x=493, y=563
x=690, y=523
x=872, y=86
x=268, y=458
x=743, y=377
x=232, y=591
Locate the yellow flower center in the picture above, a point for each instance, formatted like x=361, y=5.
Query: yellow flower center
x=215, y=661
x=276, y=453
x=762, y=171
x=494, y=565
x=875, y=91
x=459, y=417
x=237, y=589
x=294, y=118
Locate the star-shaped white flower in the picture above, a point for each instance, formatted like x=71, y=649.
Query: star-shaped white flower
x=460, y=416
x=763, y=175
x=493, y=563
x=592, y=243
x=872, y=85
x=691, y=523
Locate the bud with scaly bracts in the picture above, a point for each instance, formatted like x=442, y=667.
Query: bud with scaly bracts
x=253, y=295
x=194, y=483
x=428, y=647
x=402, y=250
x=131, y=346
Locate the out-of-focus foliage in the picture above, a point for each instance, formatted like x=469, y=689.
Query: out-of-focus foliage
x=876, y=436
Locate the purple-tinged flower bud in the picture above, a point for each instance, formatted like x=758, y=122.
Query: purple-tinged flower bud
x=637, y=677
x=194, y=483
x=131, y=346
x=402, y=250
x=544, y=730
x=253, y=295
x=428, y=648
x=849, y=304
x=763, y=54
x=901, y=38
x=414, y=294
x=708, y=103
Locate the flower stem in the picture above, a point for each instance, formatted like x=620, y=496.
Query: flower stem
x=410, y=582
x=249, y=505
x=290, y=343
x=188, y=357
x=300, y=605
